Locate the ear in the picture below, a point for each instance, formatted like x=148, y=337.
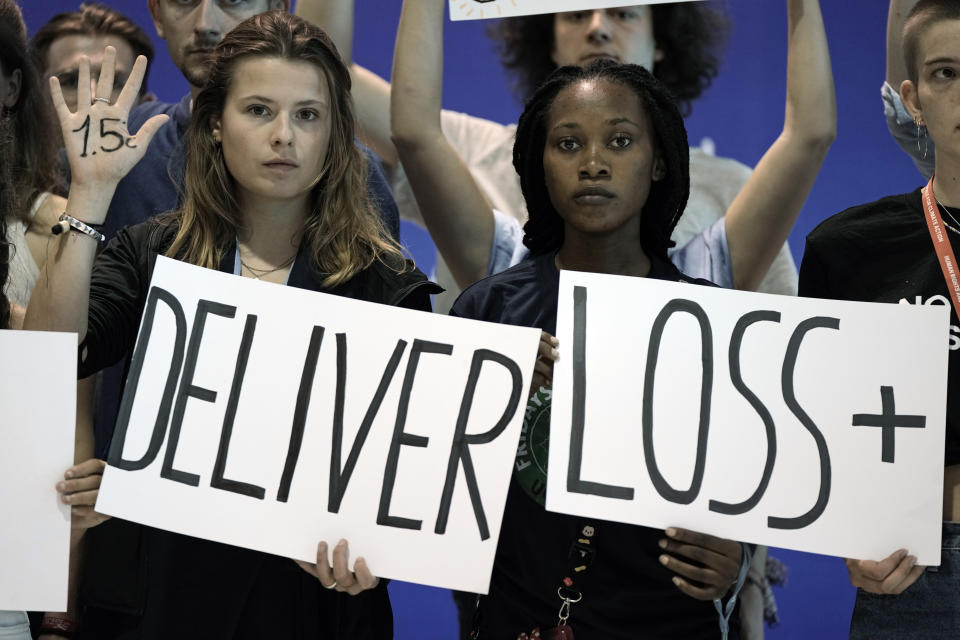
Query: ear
x=216, y=130
x=659, y=169
x=154, y=6
x=657, y=56
x=911, y=100
x=13, y=89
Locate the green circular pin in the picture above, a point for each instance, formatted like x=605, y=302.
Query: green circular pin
x=531, y=463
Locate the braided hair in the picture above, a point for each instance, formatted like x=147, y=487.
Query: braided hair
x=543, y=231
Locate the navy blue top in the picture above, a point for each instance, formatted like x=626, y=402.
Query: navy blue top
x=628, y=594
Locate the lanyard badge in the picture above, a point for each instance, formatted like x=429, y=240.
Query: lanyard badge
x=941, y=244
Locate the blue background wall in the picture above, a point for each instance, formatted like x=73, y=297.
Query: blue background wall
x=742, y=113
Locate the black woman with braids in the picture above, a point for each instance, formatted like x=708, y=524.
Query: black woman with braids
x=604, y=167
x=449, y=191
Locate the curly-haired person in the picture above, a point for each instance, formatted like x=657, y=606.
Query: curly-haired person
x=686, y=37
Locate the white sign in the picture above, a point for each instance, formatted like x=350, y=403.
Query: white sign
x=479, y=9
x=272, y=418
x=806, y=424
x=38, y=403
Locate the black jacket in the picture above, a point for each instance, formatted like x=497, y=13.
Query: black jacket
x=122, y=273
x=141, y=582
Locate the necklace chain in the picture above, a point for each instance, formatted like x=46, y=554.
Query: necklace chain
x=952, y=219
x=260, y=273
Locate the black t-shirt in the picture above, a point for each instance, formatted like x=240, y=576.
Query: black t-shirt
x=628, y=594
x=882, y=252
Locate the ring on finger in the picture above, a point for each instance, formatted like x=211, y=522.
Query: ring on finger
x=99, y=99
x=333, y=585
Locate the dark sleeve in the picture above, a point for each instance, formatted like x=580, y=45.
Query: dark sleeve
x=419, y=299
x=464, y=306
x=481, y=301
x=378, y=190
x=117, y=293
x=813, y=272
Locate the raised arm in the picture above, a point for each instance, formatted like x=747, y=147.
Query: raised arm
x=763, y=213
x=371, y=93
x=456, y=213
x=100, y=151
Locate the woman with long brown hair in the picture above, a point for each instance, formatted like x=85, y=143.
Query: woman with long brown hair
x=274, y=190
x=28, y=175
x=32, y=204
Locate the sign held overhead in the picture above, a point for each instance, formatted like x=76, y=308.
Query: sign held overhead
x=480, y=9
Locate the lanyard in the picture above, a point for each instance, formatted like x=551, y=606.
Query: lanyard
x=578, y=564
x=941, y=244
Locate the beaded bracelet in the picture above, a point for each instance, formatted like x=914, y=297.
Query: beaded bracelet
x=69, y=222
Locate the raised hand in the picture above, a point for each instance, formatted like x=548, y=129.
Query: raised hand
x=99, y=147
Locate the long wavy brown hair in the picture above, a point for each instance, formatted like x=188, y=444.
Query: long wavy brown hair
x=32, y=126
x=342, y=232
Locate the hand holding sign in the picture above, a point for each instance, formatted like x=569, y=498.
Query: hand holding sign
x=339, y=576
x=79, y=489
x=284, y=417
x=547, y=354
x=890, y=576
x=100, y=149
x=718, y=562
